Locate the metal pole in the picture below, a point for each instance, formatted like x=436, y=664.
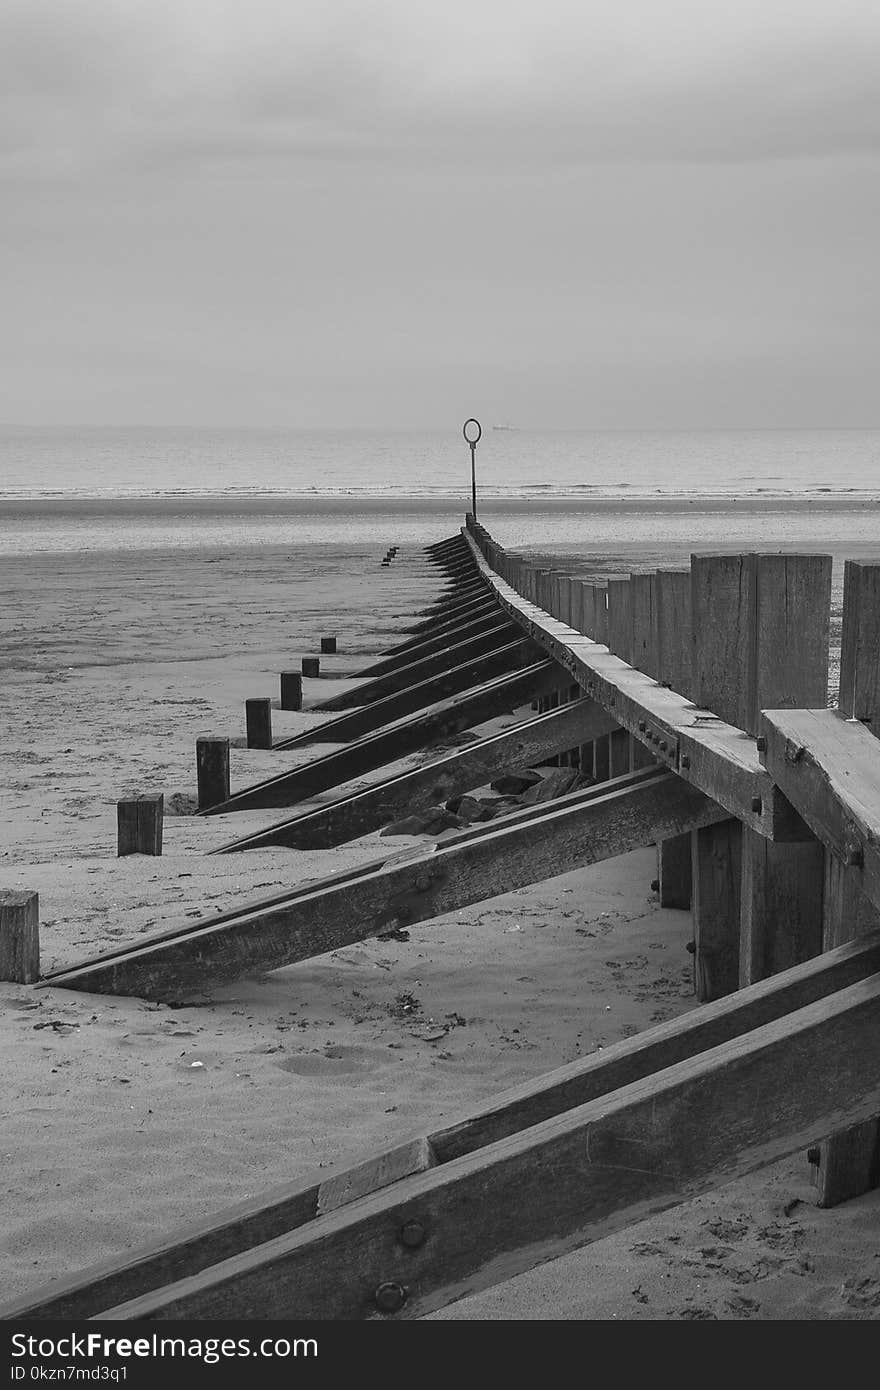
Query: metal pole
x=473, y=438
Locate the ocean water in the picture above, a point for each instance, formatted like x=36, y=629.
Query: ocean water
x=104, y=489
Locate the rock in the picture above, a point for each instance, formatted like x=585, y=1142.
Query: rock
x=442, y=820
x=514, y=783
x=180, y=804
x=468, y=808
x=410, y=825
x=557, y=782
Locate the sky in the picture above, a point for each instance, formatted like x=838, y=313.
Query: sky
x=608, y=214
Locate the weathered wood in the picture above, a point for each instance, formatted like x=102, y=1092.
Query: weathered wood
x=510, y=656
x=674, y=872
x=311, y=667
x=848, y=1163
x=422, y=730
x=829, y=768
x=620, y=637
x=420, y=669
x=760, y=632
x=280, y=1210
x=715, y=904
x=590, y=826
x=672, y=601
x=328, y=644
x=781, y=906
x=212, y=771
x=291, y=690
x=449, y=638
x=472, y=766
x=139, y=824
x=703, y=749
x=558, y=1185
x=258, y=721
x=642, y=589
x=602, y=759
x=619, y=753
x=19, y=935
x=859, y=696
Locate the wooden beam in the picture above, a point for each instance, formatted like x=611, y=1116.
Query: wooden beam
x=472, y=766
x=711, y=754
x=422, y=730
x=421, y=668
x=448, y=638
x=280, y=1210
x=510, y=853
x=674, y=872
x=438, y=1235
x=829, y=768
x=499, y=661
x=715, y=904
x=19, y=935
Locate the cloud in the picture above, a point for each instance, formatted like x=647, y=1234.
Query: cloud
x=92, y=84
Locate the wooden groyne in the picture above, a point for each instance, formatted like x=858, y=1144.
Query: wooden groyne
x=692, y=706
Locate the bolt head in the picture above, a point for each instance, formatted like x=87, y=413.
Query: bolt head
x=757, y=804
x=814, y=1155
x=389, y=1298
x=761, y=743
x=685, y=761
x=642, y=726
x=412, y=1234
x=655, y=885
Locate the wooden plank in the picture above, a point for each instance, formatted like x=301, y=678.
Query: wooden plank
x=422, y=668
x=620, y=619
x=859, y=696
x=558, y=1185
x=474, y=765
x=672, y=600
x=715, y=904
x=591, y=826
x=500, y=660
x=19, y=935
x=279, y=1210
x=644, y=623
x=711, y=754
x=448, y=638
x=212, y=770
x=443, y=720
x=763, y=623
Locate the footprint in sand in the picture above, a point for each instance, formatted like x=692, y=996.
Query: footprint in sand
x=333, y=1061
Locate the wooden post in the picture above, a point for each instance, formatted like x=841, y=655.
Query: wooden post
x=258, y=716
x=620, y=618
x=291, y=690
x=716, y=874
x=328, y=644
x=19, y=935
x=759, y=640
x=212, y=771
x=674, y=872
x=139, y=824
x=311, y=666
x=672, y=636
x=644, y=623
x=849, y=1162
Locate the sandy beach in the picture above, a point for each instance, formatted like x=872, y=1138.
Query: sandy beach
x=121, y=1120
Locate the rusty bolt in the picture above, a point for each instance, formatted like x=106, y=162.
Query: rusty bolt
x=761, y=743
x=389, y=1298
x=814, y=1155
x=642, y=726
x=757, y=804
x=655, y=885
x=663, y=745
x=412, y=1234
x=685, y=761
x=854, y=857
x=692, y=947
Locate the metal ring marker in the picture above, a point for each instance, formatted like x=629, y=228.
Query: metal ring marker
x=473, y=442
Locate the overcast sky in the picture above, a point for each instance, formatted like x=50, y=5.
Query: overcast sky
x=588, y=213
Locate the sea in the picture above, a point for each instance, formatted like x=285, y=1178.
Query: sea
x=658, y=494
